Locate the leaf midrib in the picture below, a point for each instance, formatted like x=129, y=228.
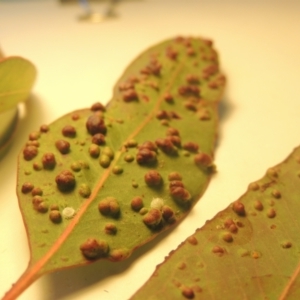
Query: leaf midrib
x=38, y=265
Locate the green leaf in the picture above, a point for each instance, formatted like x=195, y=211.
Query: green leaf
x=1, y=54
x=17, y=76
x=250, y=250
x=8, y=124
x=98, y=183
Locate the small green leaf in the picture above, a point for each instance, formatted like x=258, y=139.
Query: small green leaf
x=250, y=250
x=8, y=123
x=100, y=182
x=17, y=76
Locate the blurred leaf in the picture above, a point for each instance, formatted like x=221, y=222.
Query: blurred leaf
x=8, y=124
x=17, y=76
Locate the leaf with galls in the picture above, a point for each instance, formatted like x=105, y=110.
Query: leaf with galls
x=250, y=250
x=106, y=165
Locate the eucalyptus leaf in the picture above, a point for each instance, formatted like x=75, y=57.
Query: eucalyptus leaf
x=8, y=124
x=98, y=183
x=250, y=250
x=17, y=76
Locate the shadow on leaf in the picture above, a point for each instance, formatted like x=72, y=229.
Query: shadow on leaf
x=66, y=282
x=30, y=117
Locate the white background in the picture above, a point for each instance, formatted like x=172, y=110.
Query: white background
x=78, y=64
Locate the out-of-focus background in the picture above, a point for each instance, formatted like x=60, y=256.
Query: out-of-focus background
x=78, y=63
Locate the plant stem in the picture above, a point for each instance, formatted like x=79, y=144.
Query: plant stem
x=30, y=275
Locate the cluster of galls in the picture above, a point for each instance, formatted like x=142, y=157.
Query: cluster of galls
x=93, y=249
x=128, y=89
x=96, y=127
x=191, y=50
x=164, y=116
x=95, y=124
x=179, y=192
x=109, y=206
x=188, y=44
x=176, y=187
x=65, y=180
x=171, y=53
x=169, y=144
x=147, y=153
x=39, y=204
x=153, y=68
x=189, y=90
x=31, y=148
x=154, y=217
x=232, y=225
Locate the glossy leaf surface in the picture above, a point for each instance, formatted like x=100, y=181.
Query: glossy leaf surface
x=250, y=250
x=98, y=183
x=17, y=76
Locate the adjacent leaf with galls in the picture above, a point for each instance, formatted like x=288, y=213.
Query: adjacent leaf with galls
x=250, y=250
x=100, y=182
